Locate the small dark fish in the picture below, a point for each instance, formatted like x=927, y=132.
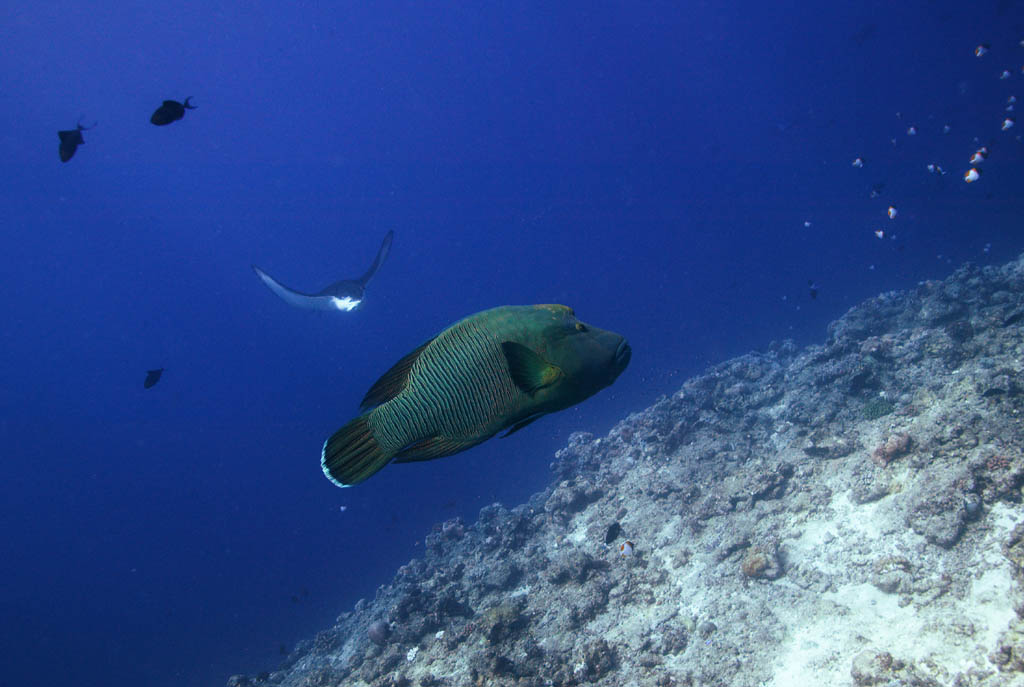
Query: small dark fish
x=812, y=288
x=171, y=111
x=70, y=140
x=152, y=377
x=876, y=189
x=864, y=33
x=499, y=369
x=613, y=533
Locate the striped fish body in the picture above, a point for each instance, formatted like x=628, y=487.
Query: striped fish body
x=459, y=387
x=500, y=368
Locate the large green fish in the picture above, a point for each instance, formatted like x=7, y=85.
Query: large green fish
x=498, y=369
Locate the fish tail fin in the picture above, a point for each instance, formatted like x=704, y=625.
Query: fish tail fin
x=352, y=454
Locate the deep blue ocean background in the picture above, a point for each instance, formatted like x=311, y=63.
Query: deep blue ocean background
x=650, y=164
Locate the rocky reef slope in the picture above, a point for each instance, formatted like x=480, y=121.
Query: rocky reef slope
x=847, y=514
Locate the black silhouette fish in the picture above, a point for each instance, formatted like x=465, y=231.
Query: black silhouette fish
x=70, y=140
x=171, y=111
x=812, y=288
x=152, y=377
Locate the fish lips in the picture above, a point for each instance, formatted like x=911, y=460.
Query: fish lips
x=623, y=354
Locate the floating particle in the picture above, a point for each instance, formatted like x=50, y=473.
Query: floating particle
x=858, y=162
x=936, y=169
x=812, y=288
x=987, y=248
x=946, y=129
x=981, y=49
x=1005, y=75
x=1011, y=100
x=932, y=168
x=912, y=131
x=972, y=175
x=892, y=212
x=342, y=509
x=880, y=233
x=1007, y=124
x=807, y=224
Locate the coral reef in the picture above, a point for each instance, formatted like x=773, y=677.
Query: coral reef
x=846, y=514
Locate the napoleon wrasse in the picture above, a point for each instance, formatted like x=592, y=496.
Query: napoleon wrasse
x=498, y=369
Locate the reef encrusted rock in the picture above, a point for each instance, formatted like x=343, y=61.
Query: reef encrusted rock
x=847, y=514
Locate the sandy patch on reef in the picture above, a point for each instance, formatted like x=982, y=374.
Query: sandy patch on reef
x=943, y=637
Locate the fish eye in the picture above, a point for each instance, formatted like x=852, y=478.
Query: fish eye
x=580, y=327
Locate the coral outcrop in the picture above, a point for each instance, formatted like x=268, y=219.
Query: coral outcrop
x=846, y=514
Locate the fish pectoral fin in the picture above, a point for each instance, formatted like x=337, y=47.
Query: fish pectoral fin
x=293, y=297
x=392, y=382
x=522, y=423
x=382, y=255
x=431, y=448
x=529, y=371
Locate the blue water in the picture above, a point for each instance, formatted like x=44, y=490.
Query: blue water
x=650, y=164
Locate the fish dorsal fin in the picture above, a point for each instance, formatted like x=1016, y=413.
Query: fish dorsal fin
x=522, y=423
x=432, y=448
x=391, y=382
x=530, y=372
